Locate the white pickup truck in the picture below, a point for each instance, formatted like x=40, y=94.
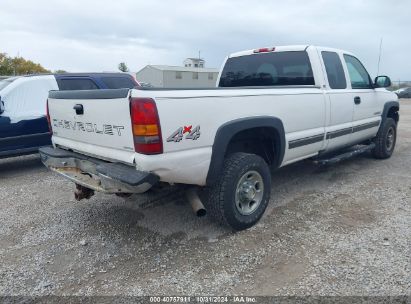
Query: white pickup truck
x=272, y=107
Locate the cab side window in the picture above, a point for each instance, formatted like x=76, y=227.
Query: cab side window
x=118, y=82
x=334, y=69
x=358, y=74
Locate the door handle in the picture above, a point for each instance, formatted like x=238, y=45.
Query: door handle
x=357, y=100
x=79, y=109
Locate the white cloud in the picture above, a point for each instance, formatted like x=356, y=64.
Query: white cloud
x=91, y=35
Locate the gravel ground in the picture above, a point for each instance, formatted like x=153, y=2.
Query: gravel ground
x=341, y=230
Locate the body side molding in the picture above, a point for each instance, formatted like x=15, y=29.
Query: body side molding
x=296, y=143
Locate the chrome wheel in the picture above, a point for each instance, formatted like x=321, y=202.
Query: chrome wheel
x=390, y=139
x=249, y=192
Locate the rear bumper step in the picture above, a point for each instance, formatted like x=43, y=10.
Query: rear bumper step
x=97, y=174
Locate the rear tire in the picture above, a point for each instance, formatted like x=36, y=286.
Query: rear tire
x=241, y=194
x=385, y=139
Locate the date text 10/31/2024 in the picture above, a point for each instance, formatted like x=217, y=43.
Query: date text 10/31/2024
x=203, y=299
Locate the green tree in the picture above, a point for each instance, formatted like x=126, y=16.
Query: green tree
x=60, y=71
x=6, y=66
x=122, y=66
x=19, y=66
x=25, y=67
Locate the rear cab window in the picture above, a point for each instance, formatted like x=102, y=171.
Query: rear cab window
x=334, y=70
x=268, y=69
x=66, y=84
x=118, y=82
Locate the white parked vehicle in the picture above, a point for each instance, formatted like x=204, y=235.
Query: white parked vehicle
x=273, y=107
x=23, y=122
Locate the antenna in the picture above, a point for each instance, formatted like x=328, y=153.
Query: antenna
x=379, y=58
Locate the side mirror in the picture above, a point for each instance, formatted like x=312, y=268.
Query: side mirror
x=1, y=106
x=382, y=82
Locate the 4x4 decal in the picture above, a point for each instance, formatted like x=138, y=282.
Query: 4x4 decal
x=178, y=134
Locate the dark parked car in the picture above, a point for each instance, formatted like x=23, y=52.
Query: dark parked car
x=23, y=122
x=404, y=93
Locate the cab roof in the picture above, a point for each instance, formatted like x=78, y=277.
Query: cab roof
x=284, y=48
x=69, y=74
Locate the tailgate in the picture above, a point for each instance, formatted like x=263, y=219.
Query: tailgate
x=93, y=122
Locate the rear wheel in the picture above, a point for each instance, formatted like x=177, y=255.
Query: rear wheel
x=385, y=139
x=240, y=195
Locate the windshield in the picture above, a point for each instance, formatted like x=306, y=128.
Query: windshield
x=268, y=69
x=5, y=82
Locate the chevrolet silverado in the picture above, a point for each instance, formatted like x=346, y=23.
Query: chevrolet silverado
x=272, y=107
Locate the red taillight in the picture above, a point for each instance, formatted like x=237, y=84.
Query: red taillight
x=264, y=50
x=48, y=116
x=146, y=126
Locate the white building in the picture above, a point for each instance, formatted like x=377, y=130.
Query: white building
x=194, y=63
x=166, y=76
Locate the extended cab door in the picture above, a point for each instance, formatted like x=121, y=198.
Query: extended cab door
x=367, y=109
x=341, y=105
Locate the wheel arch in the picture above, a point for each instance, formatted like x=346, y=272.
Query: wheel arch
x=229, y=130
x=391, y=109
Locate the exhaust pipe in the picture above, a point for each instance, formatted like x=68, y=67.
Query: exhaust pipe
x=195, y=202
x=82, y=192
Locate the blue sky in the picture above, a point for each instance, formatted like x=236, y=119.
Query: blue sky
x=91, y=35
